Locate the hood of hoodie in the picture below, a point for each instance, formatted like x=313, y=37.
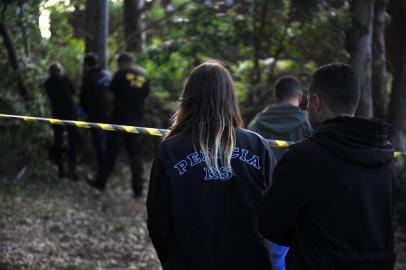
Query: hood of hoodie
x=358, y=140
x=281, y=118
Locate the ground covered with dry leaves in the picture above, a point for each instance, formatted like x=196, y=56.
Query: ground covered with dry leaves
x=50, y=224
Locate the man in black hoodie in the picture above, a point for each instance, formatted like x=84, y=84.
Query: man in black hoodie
x=333, y=195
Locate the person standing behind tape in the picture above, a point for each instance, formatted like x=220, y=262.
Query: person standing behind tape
x=283, y=120
x=93, y=99
x=208, y=180
x=60, y=91
x=130, y=87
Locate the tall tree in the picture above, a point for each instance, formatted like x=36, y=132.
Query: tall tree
x=134, y=23
x=379, y=73
x=11, y=51
x=359, y=45
x=396, y=37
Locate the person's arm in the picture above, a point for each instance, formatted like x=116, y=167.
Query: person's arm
x=289, y=192
x=46, y=87
x=84, y=94
x=114, y=83
x=270, y=163
x=70, y=86
x=160, y=225
x=146, y=87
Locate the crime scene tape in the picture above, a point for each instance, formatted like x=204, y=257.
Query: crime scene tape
x=82, y=124
x=129, y=129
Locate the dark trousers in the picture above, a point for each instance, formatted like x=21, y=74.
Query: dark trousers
x=134, y=148
x=58, y=148
x=99, y=143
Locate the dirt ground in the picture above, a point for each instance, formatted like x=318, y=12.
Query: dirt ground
x=51, y=224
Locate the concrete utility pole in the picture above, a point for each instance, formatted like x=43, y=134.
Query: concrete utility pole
x=103, y=33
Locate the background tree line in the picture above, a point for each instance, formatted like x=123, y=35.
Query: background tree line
x=259, y=39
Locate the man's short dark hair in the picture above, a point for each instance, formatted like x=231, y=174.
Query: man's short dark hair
x=287, y=88
x=338, y=85
x=125, y=58
x=91, y=60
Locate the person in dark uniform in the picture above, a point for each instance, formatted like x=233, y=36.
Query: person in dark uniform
x=207, y=181
x=93, y=99
x=60, y=90
x=130, y=87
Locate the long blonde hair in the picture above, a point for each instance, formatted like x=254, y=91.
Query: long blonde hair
x=208, y=109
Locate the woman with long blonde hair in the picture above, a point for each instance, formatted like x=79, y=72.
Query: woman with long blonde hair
x=207, y=181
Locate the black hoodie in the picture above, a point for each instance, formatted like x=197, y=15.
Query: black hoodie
x=130, y=88
x=200, y=220
x=332, y=199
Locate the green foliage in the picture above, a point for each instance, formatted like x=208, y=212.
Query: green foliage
x=18, y=141
x=287, y=45
x=258, y=40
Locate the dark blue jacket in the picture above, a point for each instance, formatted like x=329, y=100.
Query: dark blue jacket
x=93, y=95
x=200, y=220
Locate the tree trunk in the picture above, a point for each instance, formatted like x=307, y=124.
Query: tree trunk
x=397, y=108
x=359, y=45
x=97, y=23
x=12, y=56
x=380, y=96
x=134, y=23
x=22, y=28
x=256, y=43
x=397, y=45
x=92, y=21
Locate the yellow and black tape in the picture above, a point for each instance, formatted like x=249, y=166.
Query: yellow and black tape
x=83, y=124
x=129, y=129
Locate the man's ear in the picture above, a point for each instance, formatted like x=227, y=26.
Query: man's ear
x=300, y=97
x=274, y=99
x=316, y=102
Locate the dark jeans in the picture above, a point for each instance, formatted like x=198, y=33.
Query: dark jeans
x=134, y=148
x=58, y=150
x=99, y=143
